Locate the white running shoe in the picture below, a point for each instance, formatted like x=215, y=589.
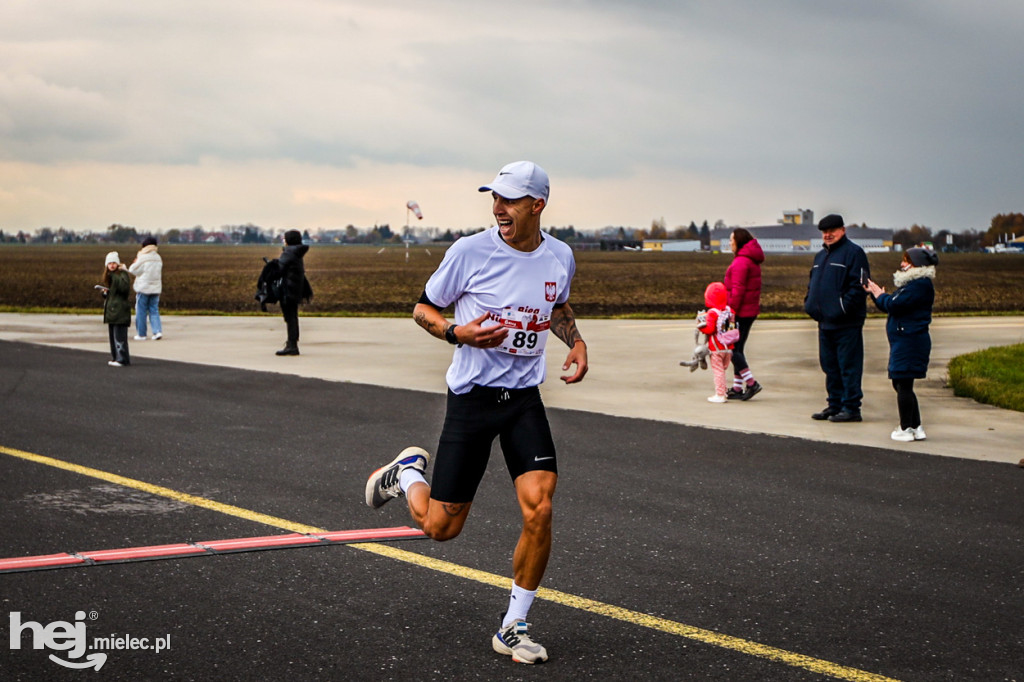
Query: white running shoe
x=717, y=399
x=115, y=363
x=382, y=486
x=903, y=435
x=514, y=641
x=919, y=433
x=138, y=338
x=158, y=336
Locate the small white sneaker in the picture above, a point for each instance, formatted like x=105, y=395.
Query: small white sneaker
x=903, y=435
x=158, y=336
x=138, y=338
x=115, y=363
x=919, y=433
x=515, y=641
x=717, y=399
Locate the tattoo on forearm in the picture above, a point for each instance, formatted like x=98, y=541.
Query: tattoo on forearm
x=453, y=508
x=563, y=326
x=428, y=324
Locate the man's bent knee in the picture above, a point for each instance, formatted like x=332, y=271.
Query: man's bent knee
x=445, y=520
x=441, y=533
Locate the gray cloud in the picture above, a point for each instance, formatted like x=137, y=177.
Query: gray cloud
x=910, y=109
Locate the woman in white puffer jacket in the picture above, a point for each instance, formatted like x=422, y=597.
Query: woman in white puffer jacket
x=148, y=271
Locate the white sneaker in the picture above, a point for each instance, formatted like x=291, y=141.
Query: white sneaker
x=919, y=433
x=717, y=399
x=514, y=641
x=158, y=336
x=115, y=363
x=382, y=485
x=903, y=435
x=138, y=338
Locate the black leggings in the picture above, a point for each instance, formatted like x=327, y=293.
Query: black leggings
x=906, y=402
x=739, y=359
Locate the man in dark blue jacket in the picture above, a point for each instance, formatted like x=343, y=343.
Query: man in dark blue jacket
x=836, y=300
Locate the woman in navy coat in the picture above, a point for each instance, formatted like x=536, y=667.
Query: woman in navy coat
x=910, y=312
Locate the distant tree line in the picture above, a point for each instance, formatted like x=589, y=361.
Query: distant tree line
x=1003, y=228
x=253, y=234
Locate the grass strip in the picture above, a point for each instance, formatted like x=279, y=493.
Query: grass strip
x=994, y=376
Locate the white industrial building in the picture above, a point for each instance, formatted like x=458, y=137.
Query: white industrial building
x=797, y=232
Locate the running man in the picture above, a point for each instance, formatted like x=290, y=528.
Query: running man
x=510, y=286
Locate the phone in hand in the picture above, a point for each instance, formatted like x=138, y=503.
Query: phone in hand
x=864, y=279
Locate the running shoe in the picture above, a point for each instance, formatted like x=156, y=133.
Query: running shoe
x=919, y=433
x=514, y=641
x=382, y=486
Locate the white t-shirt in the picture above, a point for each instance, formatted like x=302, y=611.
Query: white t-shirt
x=481, y=273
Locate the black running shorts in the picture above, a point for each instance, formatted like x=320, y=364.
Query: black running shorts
x=515, y=416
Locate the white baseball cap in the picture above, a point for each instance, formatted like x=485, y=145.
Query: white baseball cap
x=520, y=179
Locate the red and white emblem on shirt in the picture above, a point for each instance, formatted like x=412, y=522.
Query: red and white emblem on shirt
x=550, y=290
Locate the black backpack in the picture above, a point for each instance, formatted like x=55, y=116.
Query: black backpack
x=270, y=284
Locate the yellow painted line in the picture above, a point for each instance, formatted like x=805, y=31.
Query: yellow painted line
x=789, y=658
x=163, y=492
x=710, y=637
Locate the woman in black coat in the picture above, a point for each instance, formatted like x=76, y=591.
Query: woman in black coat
x=910, y=312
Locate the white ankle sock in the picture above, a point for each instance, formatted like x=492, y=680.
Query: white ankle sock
x=408, y=477
x=519, y=603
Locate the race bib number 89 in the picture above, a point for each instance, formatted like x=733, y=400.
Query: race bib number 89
x=527, y=332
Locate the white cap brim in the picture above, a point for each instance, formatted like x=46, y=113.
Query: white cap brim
x=505, y=191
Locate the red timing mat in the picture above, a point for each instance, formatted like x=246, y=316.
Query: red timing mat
x=206, y=548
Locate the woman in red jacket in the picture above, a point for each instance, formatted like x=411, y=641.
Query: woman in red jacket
x=743, y=282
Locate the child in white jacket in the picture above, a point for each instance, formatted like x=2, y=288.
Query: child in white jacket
x=148, y=271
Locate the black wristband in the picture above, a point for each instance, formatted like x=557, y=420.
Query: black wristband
x=449, y=335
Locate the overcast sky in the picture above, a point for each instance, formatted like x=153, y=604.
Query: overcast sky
x=322, y=113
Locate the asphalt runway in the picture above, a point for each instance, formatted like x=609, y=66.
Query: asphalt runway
x=680, y=553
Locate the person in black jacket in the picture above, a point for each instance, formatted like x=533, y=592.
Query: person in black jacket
x=117, y=311
x=836, y=300
x=293, y=273
x=910, y=344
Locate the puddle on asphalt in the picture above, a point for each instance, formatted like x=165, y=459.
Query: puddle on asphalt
x=105, y=499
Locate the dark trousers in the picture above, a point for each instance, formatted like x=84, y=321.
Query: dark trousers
x=119, y=343
x=739, y=360
x=906, y=403
x=841, y=354
x=290, y=311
